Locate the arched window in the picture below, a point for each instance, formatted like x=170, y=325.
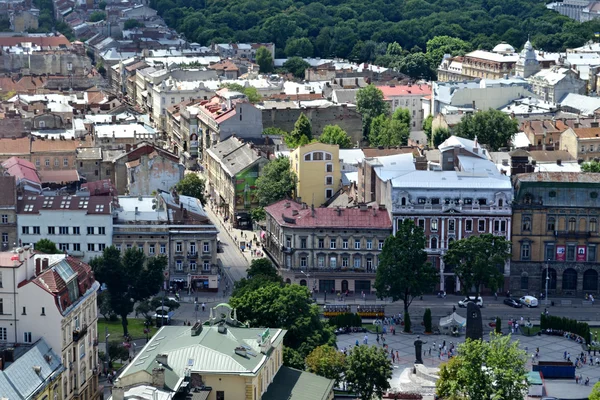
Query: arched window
x=434, y=243
x=551, y=272
x=569, y=279
x=572, y=224
x=551, y=224
x=526, y=224
x=593, y=225
x=303, y=282
x=590, y=280
x=403, y=201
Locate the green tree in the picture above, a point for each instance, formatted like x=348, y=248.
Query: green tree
x=274, y=131
x=130, y=278
x=417, y=66
x=333, y=134
x=402, y=115
x=394, y=49
x=492, y=127
x=104, y=307
x=438, y=46
x=191, y=185
x=427, y=127
x=261, y=272
x=296, y=66
x=370, y=104
x=288, y=307
x=328, y=362
x=264, y=59
x=46, y=246
x=479, y=260
x=258, y=214
x=301, y=47
x=261, y=267
x=388, y=132
x=403, y=272
x=250, y=91
x=590, y=166
x=116, y=351
x=485, y=370
x=276, y=182
x=301, y=134
x=595, y=395
x=440, y=135
x=132, y=24
x=102, y=5
x=97, y=16
x=407, y=323
x=368, y=371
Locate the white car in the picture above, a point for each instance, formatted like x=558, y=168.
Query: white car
x=529, y=301
x=477, y=300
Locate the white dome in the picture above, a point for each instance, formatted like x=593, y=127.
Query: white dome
x=504, y=48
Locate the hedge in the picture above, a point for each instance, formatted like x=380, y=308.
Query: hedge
x=566, y=325
x=346, y=320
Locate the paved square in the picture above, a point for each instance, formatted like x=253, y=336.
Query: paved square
x=551, y=349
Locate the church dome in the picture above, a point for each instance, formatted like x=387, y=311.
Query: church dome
x=504, y=48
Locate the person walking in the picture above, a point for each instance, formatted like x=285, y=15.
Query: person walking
x=203, y=307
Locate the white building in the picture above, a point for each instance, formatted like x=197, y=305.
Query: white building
x=80, y=226
x=53, y=297
x=553, y=84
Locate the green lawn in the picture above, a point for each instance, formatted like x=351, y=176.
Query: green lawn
x=530, y=331
x=115, y=329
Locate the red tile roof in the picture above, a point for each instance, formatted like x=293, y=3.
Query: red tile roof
x=21, y=169
x=10, y=146
x=283, y=211
x=59, y=176
x=225, y=116
x=100, y=188
x=89, y=205
x=43, y=41
x=404, y=90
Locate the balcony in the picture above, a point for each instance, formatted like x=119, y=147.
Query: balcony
x=287, y=250
x=573, y=234
x=192, y=255
x=78, y=334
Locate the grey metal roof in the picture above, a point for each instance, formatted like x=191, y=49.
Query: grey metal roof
x=291, y=383
x=585, y=105
x=20, y=380
x=209, y=352
x=234, y=155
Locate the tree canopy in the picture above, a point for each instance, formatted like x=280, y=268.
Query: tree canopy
x=130, y=277
x=191, y=185
x=273, y=304
x=438, y=46
x=492, y=128
x=295, y=66
x=595, y=395
x=327, y=361
x=388, y=132
x=301, y=134
x=590, y=166
x=264, y=59
x=97, y=16
x=485, y=370
x=46, y=246
x=250, y=91
x=261, y=272
x=370, y=104
x=479, y=260
x=342, y=29
x=404, y=272
x=368, y=371
x=275, y=182
x=333, y=134
x=132, y=24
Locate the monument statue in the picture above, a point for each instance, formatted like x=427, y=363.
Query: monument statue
x=419, y=350
x=474, y=322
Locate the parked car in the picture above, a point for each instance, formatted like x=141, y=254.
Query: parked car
x=529, y=301
x=477, y=300
x=513, y=302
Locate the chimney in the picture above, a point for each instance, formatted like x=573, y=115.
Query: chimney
x=559, y=162
x=339, y=211
x=158, y=377
x=312, y=210
x=38, y=266
x=45, y=263
x=118, y=393
x=162, y=358
x=21, y=256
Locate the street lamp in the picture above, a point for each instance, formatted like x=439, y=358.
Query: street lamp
x=107, y=355
x=547, y=279
x=196, y=310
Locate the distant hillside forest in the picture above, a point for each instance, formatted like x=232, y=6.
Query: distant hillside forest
x=361, y=30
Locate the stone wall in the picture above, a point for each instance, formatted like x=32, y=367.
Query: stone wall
x=534, y=271
x=347, y=118
x=40, y=64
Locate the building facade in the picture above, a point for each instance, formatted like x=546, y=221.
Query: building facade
x=176, y=227
x=327, y=249
x=409, y=97
x=318, y=172
x=8, y=213
x=233, y=168
x=555, y=234
x=555, y=83
x=53, y=297
x=80, y=226
x=582, y=143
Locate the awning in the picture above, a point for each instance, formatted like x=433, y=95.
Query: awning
x=452, y=320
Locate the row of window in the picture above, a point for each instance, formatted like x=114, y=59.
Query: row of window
x=27, y=338
x=591, y=148
x=317, y=156
x=526, y=223
x=357, y=262
x=499, y=225
x=192, y=265
x=467, y=201
x=38, y=162
x=333, y=243
x=568, y=252
x=163, y=247
x=63, y=230
x=77, y=246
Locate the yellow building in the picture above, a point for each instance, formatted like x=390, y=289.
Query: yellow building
x=317, y=167
x=219, y=360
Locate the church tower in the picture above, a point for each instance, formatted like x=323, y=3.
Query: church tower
x=528, y=64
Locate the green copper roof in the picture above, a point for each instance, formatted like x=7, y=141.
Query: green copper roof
x=209, y=352
x=291, y=383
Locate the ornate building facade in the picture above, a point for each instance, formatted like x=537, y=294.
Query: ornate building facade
x=555, y=233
